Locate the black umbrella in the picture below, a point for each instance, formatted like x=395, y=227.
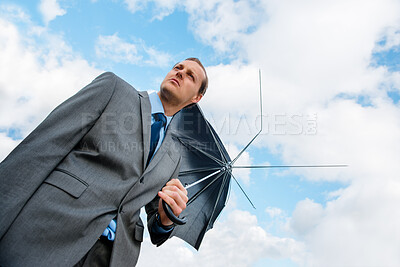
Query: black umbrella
x=206, y=172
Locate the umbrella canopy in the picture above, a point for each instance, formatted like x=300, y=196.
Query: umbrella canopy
x=205, y=171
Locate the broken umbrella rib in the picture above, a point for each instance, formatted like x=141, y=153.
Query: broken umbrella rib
x=261, y=124
x=237, y=182
x=218, y=175
x=290, y=166
x=199, y=170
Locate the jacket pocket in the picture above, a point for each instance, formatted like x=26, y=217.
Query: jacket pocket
x=139, y=229
x=67, y=182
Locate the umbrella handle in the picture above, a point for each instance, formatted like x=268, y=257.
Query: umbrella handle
x=172, y=216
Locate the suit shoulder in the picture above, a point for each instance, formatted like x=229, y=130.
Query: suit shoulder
x=107, y=78
x=109, y=81
x=104, y=82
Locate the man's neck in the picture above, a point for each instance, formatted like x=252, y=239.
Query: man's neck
x=169, y=110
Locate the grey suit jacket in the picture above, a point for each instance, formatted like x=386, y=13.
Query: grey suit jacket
x=81, y=167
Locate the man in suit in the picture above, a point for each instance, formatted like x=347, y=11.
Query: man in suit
x=88, y=164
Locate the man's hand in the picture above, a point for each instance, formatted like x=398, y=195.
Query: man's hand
x=175, y=195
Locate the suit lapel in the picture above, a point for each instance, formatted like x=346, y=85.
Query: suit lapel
x=159, y=153
x=146, y=122
x=165, y=148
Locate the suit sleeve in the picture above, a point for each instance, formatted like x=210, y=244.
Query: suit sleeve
x=151, y=210
x=29, y=164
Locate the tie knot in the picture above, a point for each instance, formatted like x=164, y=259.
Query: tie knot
x=160, y=117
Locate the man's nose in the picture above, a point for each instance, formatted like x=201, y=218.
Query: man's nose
x=179, y=74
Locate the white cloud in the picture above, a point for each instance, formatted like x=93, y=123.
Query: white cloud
x=391, y=39
x=155, y=57
x=236, y=241
x=223, y=23
x=114, y=48
x=311, y=52
x=39, y=71
x=50, y=9
x=219, y=23
x=306, y=216
x=273, y=211
x=231, y=103
x=315, y=50
x=13, y=12
x=162, y=8
x=357, y=229
x=135, y=5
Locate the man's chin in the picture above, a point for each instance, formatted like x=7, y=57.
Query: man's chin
x=168, y=95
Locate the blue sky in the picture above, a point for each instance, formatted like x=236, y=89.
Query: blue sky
x=331, y=90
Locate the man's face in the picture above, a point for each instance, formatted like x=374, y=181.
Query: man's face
x=181, y=85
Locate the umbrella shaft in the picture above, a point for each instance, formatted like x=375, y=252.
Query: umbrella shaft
x=202, y=179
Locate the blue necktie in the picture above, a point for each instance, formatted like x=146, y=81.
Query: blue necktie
x=159, y=122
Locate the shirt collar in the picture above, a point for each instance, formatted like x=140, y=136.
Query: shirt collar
x=157, y=107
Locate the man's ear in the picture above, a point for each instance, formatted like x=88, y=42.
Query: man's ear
x=197, y=98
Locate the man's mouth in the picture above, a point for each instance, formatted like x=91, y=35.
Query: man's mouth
x=176, y=81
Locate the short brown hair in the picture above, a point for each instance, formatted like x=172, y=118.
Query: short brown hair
x=204, y=83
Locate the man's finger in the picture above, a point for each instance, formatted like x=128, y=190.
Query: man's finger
x=177, y=182
x=170, y=190
x=176, y=209
x=178, y=196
